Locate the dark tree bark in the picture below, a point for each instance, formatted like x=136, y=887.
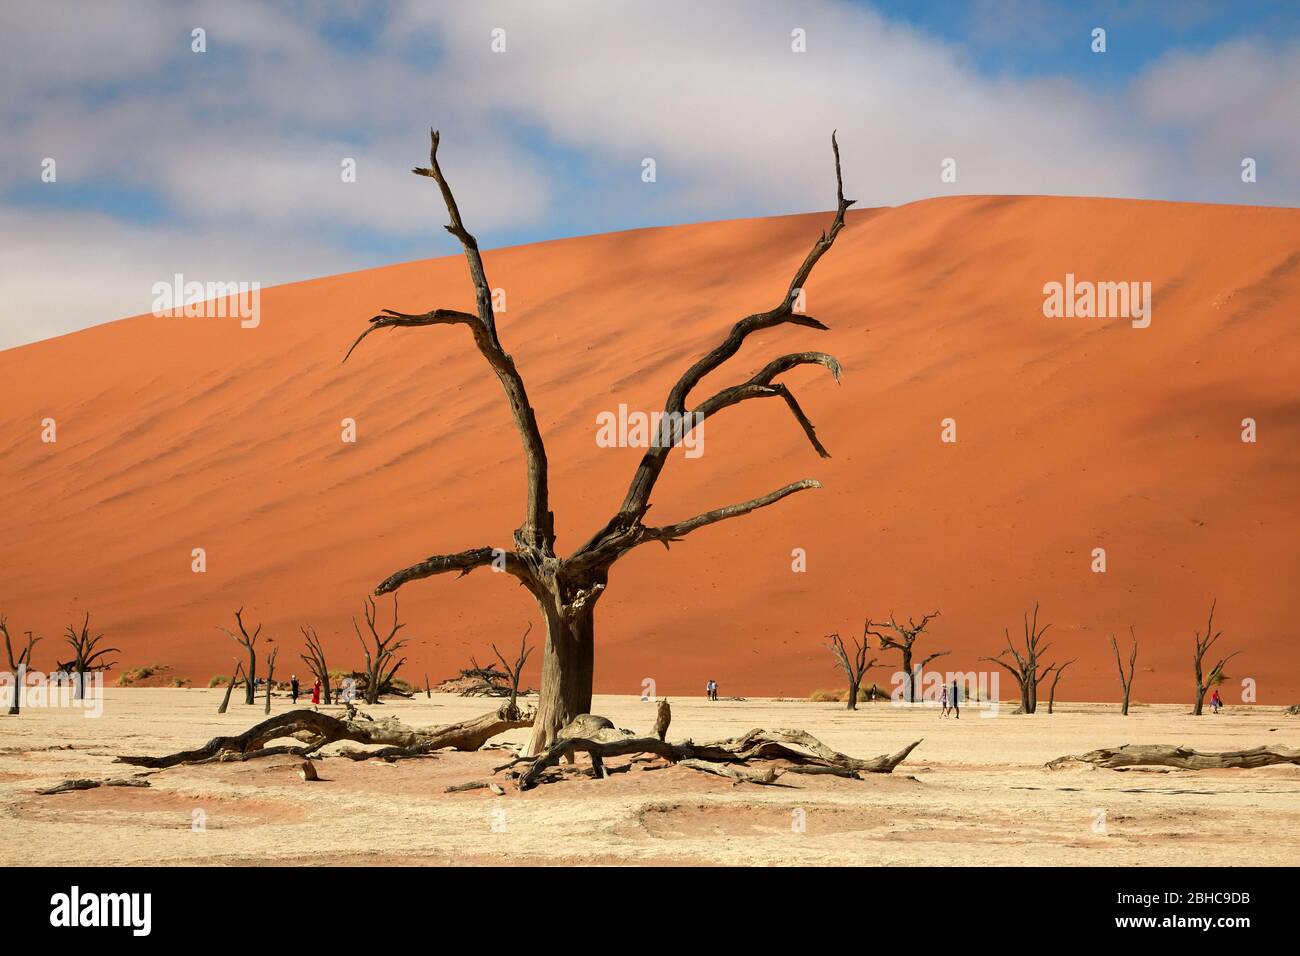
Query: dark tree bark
x=1203, y=645
x=381, y=662
x=17, y=664
x=315, y=661
x=1056, y=679
x=1025, y=667
x=270, y=678
x=902, y=639
x=86, y=655
x=515, y=671
x=234, y=679
x=568, y=589
x=1126, y=681
x=855, y=663
x=249, y=643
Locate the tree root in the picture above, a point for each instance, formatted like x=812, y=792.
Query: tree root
x=796, y=747
x=322, y=729
x=1181, y=758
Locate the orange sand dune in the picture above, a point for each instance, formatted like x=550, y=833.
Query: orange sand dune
x=180, y=433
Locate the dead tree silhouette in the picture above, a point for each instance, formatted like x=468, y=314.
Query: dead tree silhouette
x=567, y=589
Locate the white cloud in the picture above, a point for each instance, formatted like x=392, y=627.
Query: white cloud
x=242, y=145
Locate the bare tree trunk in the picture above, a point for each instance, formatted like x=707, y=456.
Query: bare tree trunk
x=234, y=679
x=568, y=666
x=270, y=679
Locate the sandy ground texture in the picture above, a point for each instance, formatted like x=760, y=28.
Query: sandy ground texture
x=1072, y=434
x=974, y=793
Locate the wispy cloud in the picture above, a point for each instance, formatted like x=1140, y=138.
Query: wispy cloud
x=170, y=160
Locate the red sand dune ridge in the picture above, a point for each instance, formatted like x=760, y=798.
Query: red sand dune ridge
x=180, y=433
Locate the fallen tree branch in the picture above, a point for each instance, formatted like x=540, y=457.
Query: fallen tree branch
x=797, y=747
x=1182, y=758
x=322, y=729
x=84, y=784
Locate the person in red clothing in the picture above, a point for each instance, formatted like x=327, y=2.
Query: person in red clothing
x=315, y=692
x=1215, y=701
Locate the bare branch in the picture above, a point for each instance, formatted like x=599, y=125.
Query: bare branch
x=538, y=529
x=462, y=562
x=637, y=499
x=674, y=532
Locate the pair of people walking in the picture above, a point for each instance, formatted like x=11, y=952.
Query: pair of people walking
x=711, y=689
x=950, y=703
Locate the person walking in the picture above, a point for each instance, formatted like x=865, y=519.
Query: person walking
x=956, y=707
x=944, y=712
x=293, y=687
x=1215, y=701
x=315, y=692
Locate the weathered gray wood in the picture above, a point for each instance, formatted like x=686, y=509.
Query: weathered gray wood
x=324, y=729
x=1182, y=758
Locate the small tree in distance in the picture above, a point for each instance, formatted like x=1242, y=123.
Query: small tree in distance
x=1203, y=644
x=854, y=664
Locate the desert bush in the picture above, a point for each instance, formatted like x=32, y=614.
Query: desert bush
x=218, y=680
x=128, y=678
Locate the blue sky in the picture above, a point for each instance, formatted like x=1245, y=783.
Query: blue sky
x=225, y=164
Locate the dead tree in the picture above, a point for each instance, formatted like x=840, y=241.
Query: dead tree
x=1203, y=645
x=902, y=639
x=86, y=655
x=855, y=665
x=1126, y=681
x=379, y=673
x=249, y=643
x=17, y=665
x=516, y=670
x=1056, y=679
x=1026, y=669
x=270, y=678
x=567, y=589
x=315, y=660
x=234, y=679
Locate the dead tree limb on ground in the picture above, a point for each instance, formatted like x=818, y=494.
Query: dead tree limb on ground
x=902, y=639
x=249, y=643
x=380, y=666
x=1026, y=668
x=315, y=661
x=795, y=746
x=319, y=729
x=1126, y=681
x=17, y=665
x=1181, y=758
x=568, y=588
x=855, y=665
x=1203, y=645
x=86, y=655
x=81, y=783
